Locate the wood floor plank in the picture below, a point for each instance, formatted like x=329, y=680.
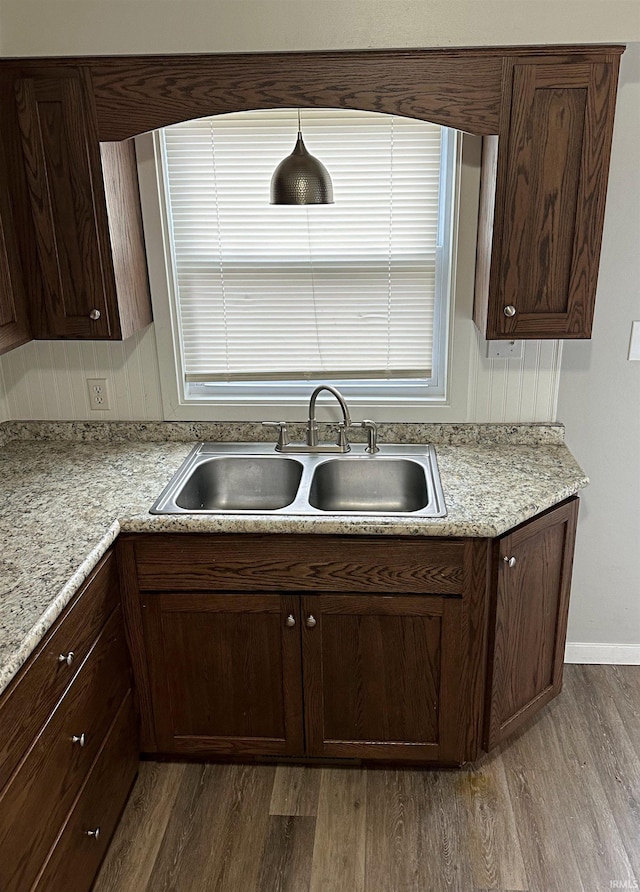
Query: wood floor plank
x=288, y=854
x=555, y=809
x=296, y=789
x=545, y=843
x=134, y=848
x=593, y=833
x=613, y=755
x=494, y=847
x=416, y=835
x=444, y=833
x=339, y=848
x=547, y=741
x=215, y=838
x=623, y=685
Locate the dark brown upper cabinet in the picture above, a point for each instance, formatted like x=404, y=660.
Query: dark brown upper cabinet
x=14, y=325
x=85, y=209
x=544, y=185
x=545, y=113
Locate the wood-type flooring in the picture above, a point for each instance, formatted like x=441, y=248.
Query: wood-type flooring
x=556, y=809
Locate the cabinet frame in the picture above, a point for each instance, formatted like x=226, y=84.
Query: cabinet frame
x=14, y=323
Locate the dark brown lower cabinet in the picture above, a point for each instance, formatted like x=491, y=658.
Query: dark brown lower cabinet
x=380, y=673
x=329, y=647
x=68, y=745
x=85, y=836
x=405, y=649
x=529, y=619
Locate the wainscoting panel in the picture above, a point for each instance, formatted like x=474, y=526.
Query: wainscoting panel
x=514, y=390
x=47, y=380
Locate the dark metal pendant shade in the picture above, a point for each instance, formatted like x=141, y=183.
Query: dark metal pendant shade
x=301, y=179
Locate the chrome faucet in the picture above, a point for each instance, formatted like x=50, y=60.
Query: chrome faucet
x=312, y=445
x=312, y=426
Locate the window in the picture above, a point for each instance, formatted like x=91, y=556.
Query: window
x=268, y=299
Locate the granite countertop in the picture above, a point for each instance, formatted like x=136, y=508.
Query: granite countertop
x=68, y=490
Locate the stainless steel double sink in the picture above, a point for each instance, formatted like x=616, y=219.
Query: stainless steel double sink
x=250, y=478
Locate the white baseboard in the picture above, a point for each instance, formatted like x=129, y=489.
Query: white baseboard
x=622, y=654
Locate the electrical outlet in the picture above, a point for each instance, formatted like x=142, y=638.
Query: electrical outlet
x=98, y=394
x=504, y=349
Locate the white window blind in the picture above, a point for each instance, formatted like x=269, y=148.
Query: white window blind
x=338, y=291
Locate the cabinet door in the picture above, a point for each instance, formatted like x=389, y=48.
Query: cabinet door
x=552, y=170
x=63, y=168
x=529, y=619
x=225, y=673
x=382, y=676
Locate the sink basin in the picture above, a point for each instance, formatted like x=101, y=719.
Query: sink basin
x=360, y=484
x=251, y=478
x=249, y=483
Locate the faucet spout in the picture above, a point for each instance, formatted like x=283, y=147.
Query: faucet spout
x=312, y=427
x=342, y=443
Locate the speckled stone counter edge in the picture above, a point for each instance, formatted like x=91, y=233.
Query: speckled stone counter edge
x=533, y=434
x=11, y=665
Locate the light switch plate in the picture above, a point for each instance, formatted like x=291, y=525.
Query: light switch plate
x=504, y=349
x=634, y=343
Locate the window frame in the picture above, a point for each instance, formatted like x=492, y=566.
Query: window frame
x=394, y=403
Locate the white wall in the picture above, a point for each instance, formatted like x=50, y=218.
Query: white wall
x=46, y=380
x=68, y=27
x=599, y=402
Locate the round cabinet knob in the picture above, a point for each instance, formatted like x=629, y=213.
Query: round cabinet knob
x=311, y=621
x=95, y=833
x=291, y=620
x=509, y=310
x=79, y=739
x=66, y=658
x=95, y=315
x=509, y=561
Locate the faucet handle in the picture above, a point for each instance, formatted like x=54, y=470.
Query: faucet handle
x=342, y=440
x=283, y=434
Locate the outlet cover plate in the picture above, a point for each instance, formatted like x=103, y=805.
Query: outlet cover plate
x=98, y=394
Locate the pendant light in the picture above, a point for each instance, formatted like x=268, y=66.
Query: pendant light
x=301, y=178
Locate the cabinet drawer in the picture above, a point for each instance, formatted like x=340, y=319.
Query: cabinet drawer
x=300, y=563
x=32, y=697
x=78, y=852
x=34, y=803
